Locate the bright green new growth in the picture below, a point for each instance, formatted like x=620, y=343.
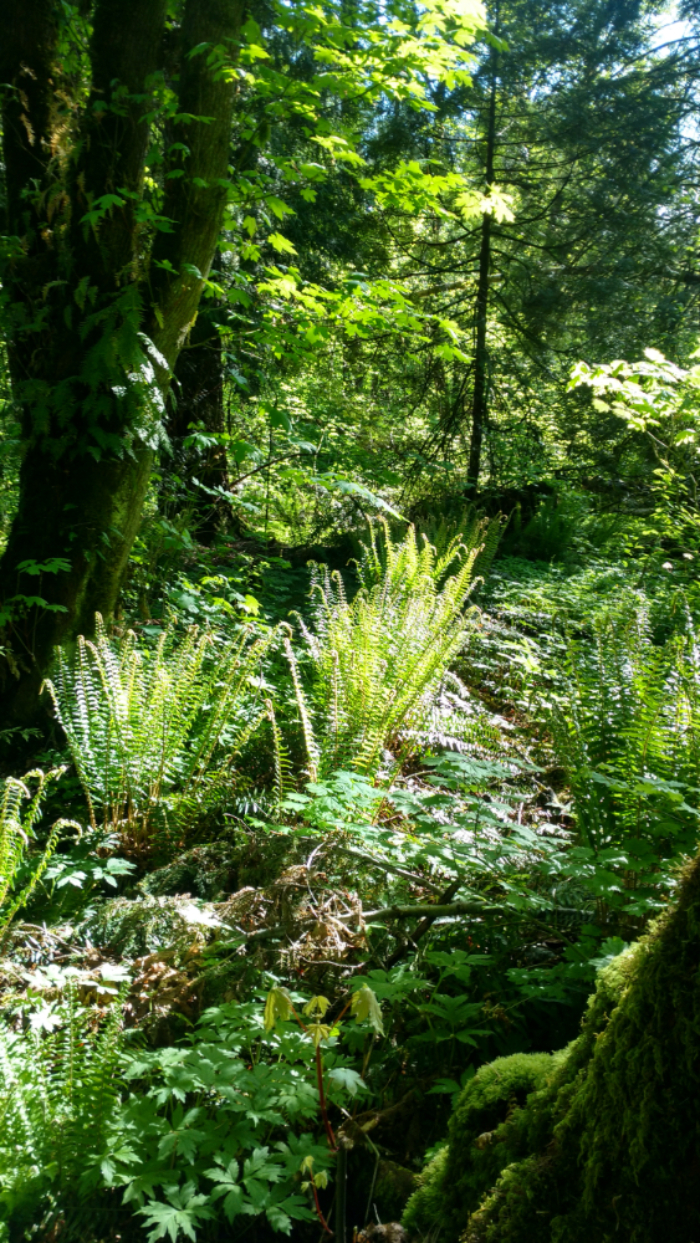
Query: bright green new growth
x=377, y=661
x=16, y=826
x=144, y=726
x=454, y=1182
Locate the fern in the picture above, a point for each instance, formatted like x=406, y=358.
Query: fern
x=628, y=731
x=145, y=728
x=59, y=1089
x=376, y=663
x=466, y=527
x=19, y=811
x=283, y=767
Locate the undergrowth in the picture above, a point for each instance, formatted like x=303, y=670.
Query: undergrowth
x=455, y=813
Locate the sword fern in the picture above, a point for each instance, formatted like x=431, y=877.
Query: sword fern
x=156, y=732
x=375, y=663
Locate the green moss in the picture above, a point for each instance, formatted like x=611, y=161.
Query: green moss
x=425, y=1207
x=209, y=872
x=393, y=1186
x=453, y=1183
x=147, y=925
x=610, y=1148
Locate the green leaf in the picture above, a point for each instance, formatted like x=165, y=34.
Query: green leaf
x=278, y=1005
x=281, y=244
x=365, y=1006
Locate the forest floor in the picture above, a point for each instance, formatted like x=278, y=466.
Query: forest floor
x=447, y=883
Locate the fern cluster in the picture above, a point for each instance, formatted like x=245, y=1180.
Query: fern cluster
x=147, y=728
x=466, y=527
x=629, y=734
x=59, y=1089
x=376, y=662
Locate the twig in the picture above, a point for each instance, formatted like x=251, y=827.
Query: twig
x=427, y=921
x=431, y=911
x=385, y=865
x=368, y=1210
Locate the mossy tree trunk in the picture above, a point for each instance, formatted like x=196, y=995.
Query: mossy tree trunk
x=613, y=1141
x=102, y=281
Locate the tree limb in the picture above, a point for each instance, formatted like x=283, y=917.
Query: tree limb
x=196, y=177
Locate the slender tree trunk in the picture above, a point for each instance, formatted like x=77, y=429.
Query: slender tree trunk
x=479, y=408
x=94, y=328
x=197, y=397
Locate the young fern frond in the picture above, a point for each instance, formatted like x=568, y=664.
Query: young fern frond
x=16, y=829
x=283, y=767
x=312, y=754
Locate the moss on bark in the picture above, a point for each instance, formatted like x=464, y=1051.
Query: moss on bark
x=609, y=1149
x=458, y=1176
x=84, y=309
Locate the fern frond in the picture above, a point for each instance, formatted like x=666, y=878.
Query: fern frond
x=16, y=829
x=377, y=661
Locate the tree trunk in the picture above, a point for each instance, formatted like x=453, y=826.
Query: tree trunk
x=610, y=1148
x=197, y=398
x=479, y=410
x=601, y=1140
x=94, y=328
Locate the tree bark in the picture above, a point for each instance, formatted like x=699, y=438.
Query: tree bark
x=197, y=398
x=610, y=1147
x=479, y=408
x=94, y=327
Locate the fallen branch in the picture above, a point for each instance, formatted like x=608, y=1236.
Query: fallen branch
x=430, y=911
x=386, y=865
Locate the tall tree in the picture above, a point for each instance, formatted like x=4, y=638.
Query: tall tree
x=113, y=217
x=580, y=123
x=573, y=114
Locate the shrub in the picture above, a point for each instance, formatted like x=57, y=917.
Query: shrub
x=59, y=1087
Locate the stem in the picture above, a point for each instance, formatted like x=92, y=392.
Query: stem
x=341, y=1188
x=319, y=1081
x=322, y=1099
x=319, y=1212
